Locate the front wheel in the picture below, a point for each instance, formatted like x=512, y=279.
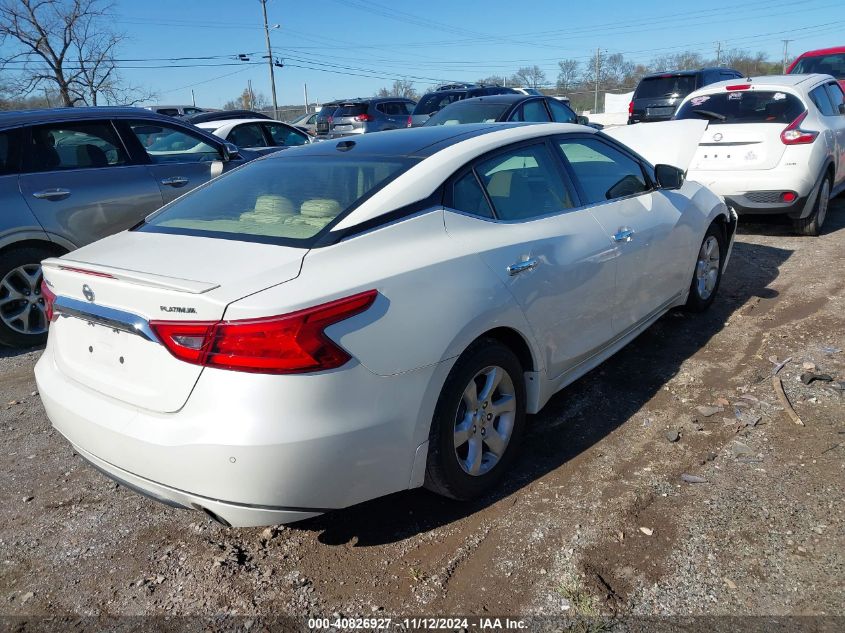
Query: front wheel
x=477, y=422
x=708, y=270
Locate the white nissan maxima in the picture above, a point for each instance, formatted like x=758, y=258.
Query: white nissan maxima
x=349, y=319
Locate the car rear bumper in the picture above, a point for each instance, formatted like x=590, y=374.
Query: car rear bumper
x=758, y=191
x=253, y=449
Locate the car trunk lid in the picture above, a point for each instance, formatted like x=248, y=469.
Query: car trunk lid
x=734, y=147
x=109, y=292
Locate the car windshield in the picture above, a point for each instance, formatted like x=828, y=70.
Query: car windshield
x=281, y=200
x=665, y=86
x=468, y=113
x=743, y=106
x=434, y=101
x=825, y=64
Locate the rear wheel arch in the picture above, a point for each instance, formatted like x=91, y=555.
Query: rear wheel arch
x=513, y=340
x=55, y=250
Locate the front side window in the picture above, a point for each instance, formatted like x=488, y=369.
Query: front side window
x=743, y=106
x=166, y=144
x=280, y=200
x=604, y=172
x=247, y=135
x=821, y=99
x=524, y=183
x=467, y=196
x=284, y=136
x=84, y=145
x=531, y=111
x=561, y=113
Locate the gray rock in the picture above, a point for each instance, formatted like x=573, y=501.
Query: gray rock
x=708, y=411
x=693, y=479
x=673, y=436
x=738, y=448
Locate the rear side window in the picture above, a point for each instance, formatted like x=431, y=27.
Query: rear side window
x=837, y=97
x=821, y=100
x=524, y=183
x=743, y=106
x=9, y=152
x=665, y=87
x=87, y=145
x=396, y=108
x=604, y=172
x=281, y=200
x=351, y=109
x=468, y=196
x=166, y=144
x=833, y=64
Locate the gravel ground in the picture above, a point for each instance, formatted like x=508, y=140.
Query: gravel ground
x=597, y=518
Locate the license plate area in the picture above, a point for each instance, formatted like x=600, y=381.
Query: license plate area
x=660, y=111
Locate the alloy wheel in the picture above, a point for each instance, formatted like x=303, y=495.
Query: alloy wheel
x=484, y=421
x=21, y=303
x=707, y=267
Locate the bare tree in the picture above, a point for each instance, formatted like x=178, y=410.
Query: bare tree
x=493, y=80
x=400, y=88
x=248, y=100
x=567, y=78
x=529, y=77
x=66, y=45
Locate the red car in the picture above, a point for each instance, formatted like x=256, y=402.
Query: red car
x=828, y=61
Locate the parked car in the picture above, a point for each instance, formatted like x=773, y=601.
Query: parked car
x=433, y=101
x=506, y=107
x=224, y=115
x=825, y=61
x=773, y=145
x=658, y=96
x=70, y=176
x=359, y=116
x=258, y=135
x=175, y=110
x=322, y=123
x=307, y=123
x=332, y=326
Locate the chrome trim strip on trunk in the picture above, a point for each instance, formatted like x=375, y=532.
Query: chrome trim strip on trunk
x=108, y=317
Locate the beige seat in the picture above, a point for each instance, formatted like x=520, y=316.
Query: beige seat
x=320, y=208
x=270, y=209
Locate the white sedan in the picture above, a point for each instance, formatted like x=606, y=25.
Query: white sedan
x=257, y=135
x=349, y=319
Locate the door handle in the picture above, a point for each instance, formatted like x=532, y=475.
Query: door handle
x=624, y=235
x=175, y=181
x=521, y=267
x=52, y=194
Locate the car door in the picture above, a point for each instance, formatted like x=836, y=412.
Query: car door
x=519, y=215
x=16, y=219
x=178, y=158
x=81, y=182
x=642, y=225
x=837, y=125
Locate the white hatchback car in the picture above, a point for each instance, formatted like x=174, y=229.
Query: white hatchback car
x=774, y=144
x=257, y=135
x=349, y=319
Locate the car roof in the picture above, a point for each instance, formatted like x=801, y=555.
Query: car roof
x=694, y=71
x=823, y=51
x=508, y=98
x=48, y=115
x=214, y=125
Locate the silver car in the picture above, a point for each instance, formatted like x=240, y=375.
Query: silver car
x=71, y=176
x=359, y=116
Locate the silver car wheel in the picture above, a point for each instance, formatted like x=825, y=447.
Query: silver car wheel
x=21, y=303
x=484, y=420
x=707, y=267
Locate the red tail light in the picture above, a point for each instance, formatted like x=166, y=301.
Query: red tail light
x=739, y=87
x=49, y=299
x=410, y=121
x=364, y=118
x=631, y=108
x=292, y=343
x=794, y=135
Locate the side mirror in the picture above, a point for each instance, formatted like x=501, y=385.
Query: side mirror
x=230, y=151
x=668, y=176
x=581, y=120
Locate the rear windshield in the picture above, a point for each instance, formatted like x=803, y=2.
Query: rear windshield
x=743, y=106
x=433, y=102
x=284, y=200
x=665, y=86
x=468, y=113
x=833, y=64
x=351, y=109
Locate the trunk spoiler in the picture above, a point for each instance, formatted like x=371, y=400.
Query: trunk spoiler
x=667, y=142
x=189, y=286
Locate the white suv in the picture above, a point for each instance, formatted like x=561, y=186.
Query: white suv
x=773, y=144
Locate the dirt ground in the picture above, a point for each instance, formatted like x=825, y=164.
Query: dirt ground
x=595, y=518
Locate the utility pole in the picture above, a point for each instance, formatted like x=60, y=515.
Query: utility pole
x=193, y=98
x=305, y=87
x=718, y=53
x=598, y=63
x=270, y=61
x=785, y=54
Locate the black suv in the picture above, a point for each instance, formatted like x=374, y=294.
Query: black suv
x=658, y=95
x=359, y=116
x=438, y=99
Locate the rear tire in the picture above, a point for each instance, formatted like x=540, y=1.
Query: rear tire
x=812, y=224
x=22, y=319
x=478, y=422
x=708, y=270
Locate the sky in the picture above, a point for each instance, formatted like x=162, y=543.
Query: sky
x=348, y=48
